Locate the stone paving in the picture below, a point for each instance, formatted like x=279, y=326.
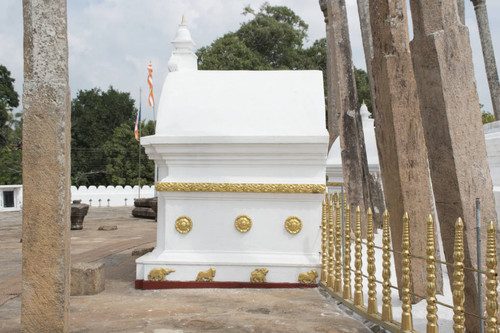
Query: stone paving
x=121, y=308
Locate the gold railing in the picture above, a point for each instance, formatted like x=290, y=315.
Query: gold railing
x=336, y=271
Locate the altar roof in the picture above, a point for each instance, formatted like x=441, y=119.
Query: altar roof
x=242, y=104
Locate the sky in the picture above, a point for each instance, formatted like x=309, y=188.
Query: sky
x=112, y=41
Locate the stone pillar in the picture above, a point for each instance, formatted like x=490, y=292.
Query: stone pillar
x=400, y=137
x=352, y=143
x=488, y=54
x=332, y=115
x=461, y=10
x=46, y=168
x=442, y=60
x=366, y=36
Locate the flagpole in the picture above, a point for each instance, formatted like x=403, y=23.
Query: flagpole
x=140, y=106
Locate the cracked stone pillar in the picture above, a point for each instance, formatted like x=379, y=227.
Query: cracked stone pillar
x=352, y=143
x=332, y=115
x=488, y=54
x=442, y=60
x=400, y=137
x=46, y=168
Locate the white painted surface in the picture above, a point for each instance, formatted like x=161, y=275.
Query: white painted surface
x=241, y=103
x=492, y=138
x=183, y=57
x=110, y=196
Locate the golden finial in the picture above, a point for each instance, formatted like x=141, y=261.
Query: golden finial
x=406, y=316
x=458, y=278
x=432, y=317
x=491, y=281
x=370, y=252
x=347, y=252
x=386, y=272
x=183, y=19
x=338, y=248
x=358, y=277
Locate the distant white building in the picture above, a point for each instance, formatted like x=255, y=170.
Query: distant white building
x=334, y=161
x=11, y=197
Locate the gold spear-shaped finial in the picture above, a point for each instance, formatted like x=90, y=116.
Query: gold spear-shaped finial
x=183, y=19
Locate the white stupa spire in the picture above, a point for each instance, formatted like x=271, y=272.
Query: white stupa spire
x=183, y=57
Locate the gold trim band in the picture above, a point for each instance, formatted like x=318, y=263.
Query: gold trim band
x=243, y=188
x=334, y=184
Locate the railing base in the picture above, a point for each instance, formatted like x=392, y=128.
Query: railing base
x=393, y=326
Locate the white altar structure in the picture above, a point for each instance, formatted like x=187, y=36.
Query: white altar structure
x=241, y=158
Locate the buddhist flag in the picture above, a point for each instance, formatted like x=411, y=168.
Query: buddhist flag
x=137, y=124
x=150, y=82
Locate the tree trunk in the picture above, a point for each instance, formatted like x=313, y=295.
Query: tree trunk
x=488, y=54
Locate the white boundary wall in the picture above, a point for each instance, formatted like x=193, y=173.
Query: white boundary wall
x=110, y=196
x=18, y=197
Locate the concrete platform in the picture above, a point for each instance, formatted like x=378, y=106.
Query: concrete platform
x=121, y=308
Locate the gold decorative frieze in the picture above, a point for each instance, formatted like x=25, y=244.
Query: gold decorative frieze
x=259, y=275
x=183, y=224
x=243, y=223
x=241, y=187
x=334, y=184
x=293, y=225
x=308, y=277
x=206, y=276
x=159, y=274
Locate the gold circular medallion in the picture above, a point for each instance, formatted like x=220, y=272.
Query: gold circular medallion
x=243, y=223
x=293, y=225
x=183, y=224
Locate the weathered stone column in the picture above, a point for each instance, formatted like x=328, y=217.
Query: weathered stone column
x=366, y=36
x=332, y=114
x=461, y=10
x=352, y=143
x=442, y=60
x=400, y=137
x=46, y=168
x=488, y=54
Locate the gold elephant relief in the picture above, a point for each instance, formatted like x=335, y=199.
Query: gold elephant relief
x=308, y=277
x=259, y=275
x=159, y=274
x=206, y=276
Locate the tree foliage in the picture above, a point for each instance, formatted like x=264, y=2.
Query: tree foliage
x=121, y=155
x=9, y=99
x=95, y=115
x=10, y=131
x=273, y=39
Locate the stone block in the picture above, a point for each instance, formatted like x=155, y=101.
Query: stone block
x=87, y=278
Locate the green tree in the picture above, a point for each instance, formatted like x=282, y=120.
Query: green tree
x=363, y=88
x=10, y=131
x=94, y=116
x=121, y=155
x=9, y=99
x=272, y=39
x=486, y=116
x=11, y=155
